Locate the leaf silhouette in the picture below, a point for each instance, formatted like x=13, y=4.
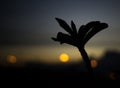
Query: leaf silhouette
x=64, y=38
x=74, y=28
x=64, y=25
x=94, y=30
x=83, y=31
x=80, y=31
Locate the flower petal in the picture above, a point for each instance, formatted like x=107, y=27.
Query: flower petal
x=64, y=25
x=94, y=31
x=74, y=28
x=84, y=29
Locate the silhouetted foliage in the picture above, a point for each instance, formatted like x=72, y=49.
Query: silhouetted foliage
x=80, y=38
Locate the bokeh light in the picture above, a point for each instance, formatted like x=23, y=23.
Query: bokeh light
x=64, y=57
x=11, y=59
x=94, y=63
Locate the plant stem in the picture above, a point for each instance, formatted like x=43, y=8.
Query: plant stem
x=86, y=60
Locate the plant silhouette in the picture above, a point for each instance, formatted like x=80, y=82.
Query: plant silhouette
x=79, y=38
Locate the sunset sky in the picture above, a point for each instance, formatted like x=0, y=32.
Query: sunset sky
x=26, y=27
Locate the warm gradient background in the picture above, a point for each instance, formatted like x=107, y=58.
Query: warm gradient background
x=26, y=28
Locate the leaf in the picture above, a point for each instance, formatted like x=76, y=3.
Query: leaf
x=55, y=39
x=64, y=25
x=81, y=27
x=74, y=28
x=94, y=31
x=86, y=28
x=64, y=38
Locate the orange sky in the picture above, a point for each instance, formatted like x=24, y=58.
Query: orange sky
x=49, y=54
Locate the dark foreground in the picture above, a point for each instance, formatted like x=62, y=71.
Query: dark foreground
x=54, y=76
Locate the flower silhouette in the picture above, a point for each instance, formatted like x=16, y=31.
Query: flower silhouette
x=79, y=38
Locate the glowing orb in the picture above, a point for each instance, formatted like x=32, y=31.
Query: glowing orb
x=64, y=57
x=11, y=59
x=93, y=63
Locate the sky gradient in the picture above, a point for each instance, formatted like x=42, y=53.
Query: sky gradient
x=32, y=23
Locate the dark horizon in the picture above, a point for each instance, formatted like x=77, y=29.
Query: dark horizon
x=71, y=74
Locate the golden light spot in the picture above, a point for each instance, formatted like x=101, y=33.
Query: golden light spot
x=64, y=57
x=93, y=63
x=11, y=59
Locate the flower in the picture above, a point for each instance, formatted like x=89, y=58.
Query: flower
x=78, y=38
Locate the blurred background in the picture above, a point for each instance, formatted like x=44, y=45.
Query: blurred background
x=26, y=28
